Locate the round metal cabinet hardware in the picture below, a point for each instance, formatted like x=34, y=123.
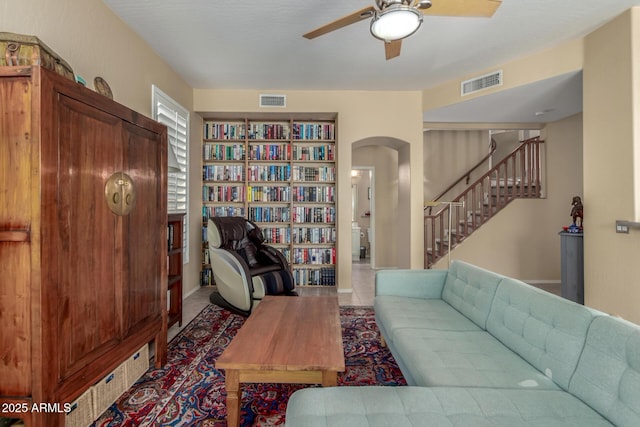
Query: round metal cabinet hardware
x=120, y=193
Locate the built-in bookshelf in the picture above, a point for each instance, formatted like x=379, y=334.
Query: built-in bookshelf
x=281, y=174
x=175, y=226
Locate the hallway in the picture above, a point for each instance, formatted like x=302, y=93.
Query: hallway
x=363, y=284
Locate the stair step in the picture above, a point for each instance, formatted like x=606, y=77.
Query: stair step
x=446, y=243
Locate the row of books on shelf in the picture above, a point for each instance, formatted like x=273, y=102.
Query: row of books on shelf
x=314, y=256
x=287, y=172
x=170, y=237
x=205, y=239
x=269, y=173
x=274, y=173
x=233, y=152
x=268, y=194
x=275, y=152
x=319, y=194
x=277, y=235
x=283, y=235
x=270, y=152
x=214, y=130
x=224, y=193
x=299, y=235
x=318, y=131
x=299, y=214
x=269, y=130
x=223, y=173
x=303, y=193
x=240, y=193
x=206, y=277
x=314, y=174
x=322, y=153
x=270, y=213
x=259, y=130
x=314, y=235
x=314, y=214
x=325, y=276
x=209, y=211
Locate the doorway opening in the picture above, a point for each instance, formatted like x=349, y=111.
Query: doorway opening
x=363, y=213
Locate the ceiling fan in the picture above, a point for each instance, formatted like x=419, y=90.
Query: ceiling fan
x=393, y=20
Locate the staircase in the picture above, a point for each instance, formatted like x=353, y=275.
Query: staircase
x=448, y=223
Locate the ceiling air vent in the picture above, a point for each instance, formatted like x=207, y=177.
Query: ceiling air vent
x=273, y=100
x=480, y=83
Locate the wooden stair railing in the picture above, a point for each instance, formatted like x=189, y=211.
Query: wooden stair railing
x=467, y=175
x=518, y=175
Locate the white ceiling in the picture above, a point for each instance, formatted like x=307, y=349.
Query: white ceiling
x=258, y=44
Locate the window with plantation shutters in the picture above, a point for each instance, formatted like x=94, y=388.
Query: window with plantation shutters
x=176, y=118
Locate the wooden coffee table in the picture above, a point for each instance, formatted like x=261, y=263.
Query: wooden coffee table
x=285, y=340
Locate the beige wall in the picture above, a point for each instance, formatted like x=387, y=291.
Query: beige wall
x=552, y=62
x=95, y=42
x=522, y=240
x=395, y=117
x=611, y=166
x=447, y=155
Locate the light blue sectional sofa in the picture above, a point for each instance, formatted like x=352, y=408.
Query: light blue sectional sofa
x=481, y=349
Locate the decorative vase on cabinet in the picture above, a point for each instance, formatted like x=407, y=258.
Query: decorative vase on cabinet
x=83, y=257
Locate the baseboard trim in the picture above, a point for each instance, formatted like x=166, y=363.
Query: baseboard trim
x=193, y=292
x=543, y=282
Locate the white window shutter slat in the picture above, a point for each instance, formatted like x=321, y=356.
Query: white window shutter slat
x=176, y=118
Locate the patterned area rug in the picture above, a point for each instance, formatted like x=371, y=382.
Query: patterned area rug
x=189, y=391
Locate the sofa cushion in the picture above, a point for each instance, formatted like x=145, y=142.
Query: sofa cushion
x=395, y=313
x=608, y=373
x=435, y=407
x=425, y=284
x=545, y=330
x=470, y=290
x=463, y=359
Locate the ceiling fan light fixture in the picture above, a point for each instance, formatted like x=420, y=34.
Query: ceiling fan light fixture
x=395, y=22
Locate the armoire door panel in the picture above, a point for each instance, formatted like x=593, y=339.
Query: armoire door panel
x=143, y=226
x=90, y=150
x=15, y=230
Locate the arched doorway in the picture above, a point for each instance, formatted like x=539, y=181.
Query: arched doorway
x=380, y=209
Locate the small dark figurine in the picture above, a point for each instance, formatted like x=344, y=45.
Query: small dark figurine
x=576, y=211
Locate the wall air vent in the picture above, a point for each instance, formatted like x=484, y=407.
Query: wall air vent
x=273, y=100
x=480, y=83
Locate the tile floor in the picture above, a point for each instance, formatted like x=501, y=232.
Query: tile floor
x=362, y=277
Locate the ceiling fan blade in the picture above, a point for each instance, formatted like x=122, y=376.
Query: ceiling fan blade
x=352, y=18
x=479, y=8
x=392, y=49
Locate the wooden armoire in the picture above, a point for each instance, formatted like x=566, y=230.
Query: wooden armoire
x=83, y=239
